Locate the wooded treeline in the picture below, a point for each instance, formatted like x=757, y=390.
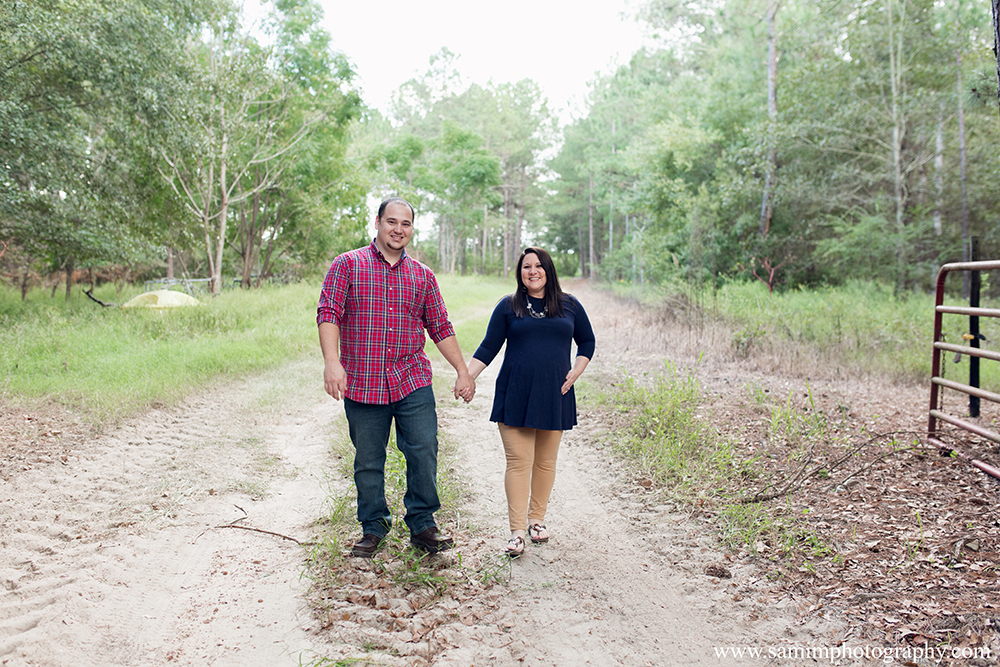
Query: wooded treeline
x=798, y=142
x=833, y=139
x=164, y=133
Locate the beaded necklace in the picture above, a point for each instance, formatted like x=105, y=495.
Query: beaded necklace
x=535, y=314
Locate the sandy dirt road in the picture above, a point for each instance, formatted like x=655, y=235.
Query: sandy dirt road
x=113, y=554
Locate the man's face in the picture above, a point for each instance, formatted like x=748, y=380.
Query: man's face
x=395, y=228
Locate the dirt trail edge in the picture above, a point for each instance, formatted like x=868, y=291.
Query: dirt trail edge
x=113, y=554
x=622, y=580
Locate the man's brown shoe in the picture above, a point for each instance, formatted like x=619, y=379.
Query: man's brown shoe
x=366, y=546
x=431, y=540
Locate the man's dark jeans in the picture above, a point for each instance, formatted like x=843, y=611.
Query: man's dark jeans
x=416, y=438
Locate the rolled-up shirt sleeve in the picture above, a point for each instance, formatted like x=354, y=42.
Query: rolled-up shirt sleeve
x=334, y=293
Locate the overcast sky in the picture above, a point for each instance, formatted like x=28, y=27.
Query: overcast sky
x=560, y=44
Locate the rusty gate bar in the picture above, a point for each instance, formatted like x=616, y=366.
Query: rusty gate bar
x=973, y=391
x=934, y=415
x=959, y=310
x=968, y=351
x=968, y=426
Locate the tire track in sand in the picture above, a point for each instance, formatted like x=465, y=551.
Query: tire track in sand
x=107, y=558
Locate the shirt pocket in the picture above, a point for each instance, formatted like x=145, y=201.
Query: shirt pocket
x=409, y=298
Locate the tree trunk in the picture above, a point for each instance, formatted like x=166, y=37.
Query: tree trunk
x=170, y=263
x=995, y=5
x=265, y=265
x=508, y=211
x=898, y=134
x=590, y=212
x=444, y=256
x=220, y=223
x=961, y=158
x=611, y=196
x=767, y=199
x=939, y=172
x=251, y=234
x=611, y=221
x=206, y=217
x=486, y=247
x=24, y=282
x=520, y=214
x=70, y=263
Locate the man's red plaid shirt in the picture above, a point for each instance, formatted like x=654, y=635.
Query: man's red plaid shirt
x=382, y=312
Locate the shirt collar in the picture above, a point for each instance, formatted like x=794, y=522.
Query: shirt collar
x=378, y=253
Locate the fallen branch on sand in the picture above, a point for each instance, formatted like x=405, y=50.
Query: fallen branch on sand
x=260, y=530
x=234, y=524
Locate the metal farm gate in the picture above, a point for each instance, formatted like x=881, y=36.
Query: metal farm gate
x=975, y=354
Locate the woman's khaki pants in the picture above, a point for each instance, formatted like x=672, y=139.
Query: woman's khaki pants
x=531, y=471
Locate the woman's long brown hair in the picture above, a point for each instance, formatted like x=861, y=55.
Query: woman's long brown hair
x=554, y=296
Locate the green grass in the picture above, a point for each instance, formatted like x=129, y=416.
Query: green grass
x=666, y=438
x=861, y=324
x=106, y=363
x=865, y=323
x=470, y=301
x=753, y=526
x=659, y=428
x=861, y=327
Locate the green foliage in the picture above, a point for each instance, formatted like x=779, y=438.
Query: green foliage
x=470, y=301
x=666, y=438
x=110, y=363
x=860, y=324
x=748, y=338
x=469, y=155
x=666, y=169
x=103, y=98
x=79, y=82
x=794, y=426
x=753, y=526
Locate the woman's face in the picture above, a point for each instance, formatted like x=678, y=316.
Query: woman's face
x=533, y=275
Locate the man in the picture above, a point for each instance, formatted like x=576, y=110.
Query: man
x=375, y=305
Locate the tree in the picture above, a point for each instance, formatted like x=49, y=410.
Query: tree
x=447, y=144
x=77, y=80
x=236, y=129
x=314, y=189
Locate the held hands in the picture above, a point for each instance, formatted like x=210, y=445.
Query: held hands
x=465, y=387
x=335, y=379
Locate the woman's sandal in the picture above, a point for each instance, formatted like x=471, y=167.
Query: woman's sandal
x=537, y=533
x=515, y=546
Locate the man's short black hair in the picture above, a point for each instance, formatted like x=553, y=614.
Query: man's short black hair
x=395, y=200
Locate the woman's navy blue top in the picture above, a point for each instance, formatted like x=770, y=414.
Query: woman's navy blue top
x=529, y=386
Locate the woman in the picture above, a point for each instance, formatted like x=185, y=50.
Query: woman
x=534, y=401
